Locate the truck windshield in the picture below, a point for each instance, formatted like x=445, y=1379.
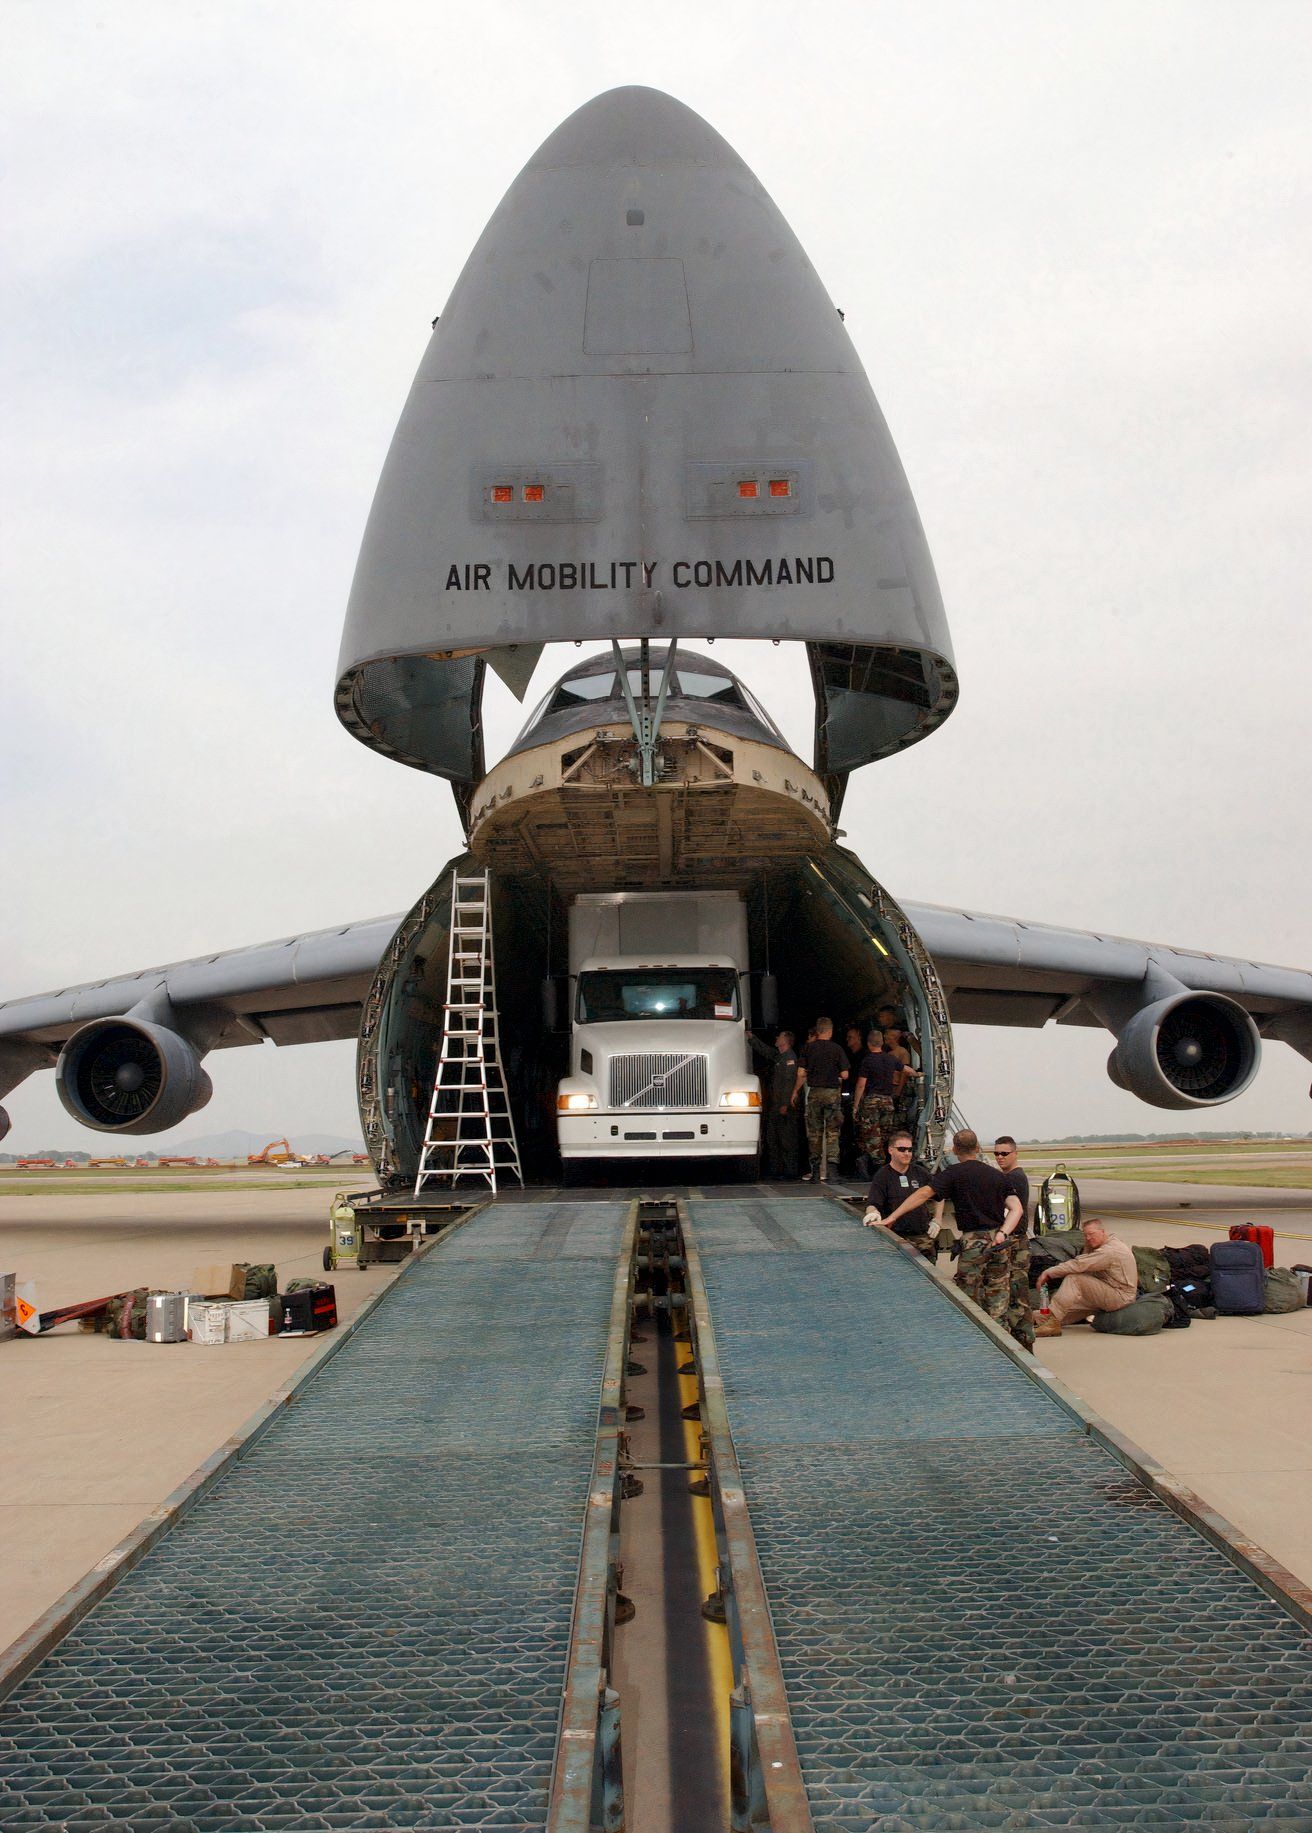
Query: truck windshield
x=610, y=994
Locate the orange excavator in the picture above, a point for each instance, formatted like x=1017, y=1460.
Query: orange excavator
x=277, y=1152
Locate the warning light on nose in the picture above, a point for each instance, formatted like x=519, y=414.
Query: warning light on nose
x=503, y=493
x=781, y=486
x=534, y=493
x=749, y=487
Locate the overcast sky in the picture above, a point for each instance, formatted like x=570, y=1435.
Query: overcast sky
x=1072, y=244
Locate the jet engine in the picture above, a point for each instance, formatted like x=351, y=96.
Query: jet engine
x=127, y=1075
x=4, y=1123
x=1188, y=1050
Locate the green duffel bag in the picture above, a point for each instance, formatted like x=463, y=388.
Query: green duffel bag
x=1063, y=1244
x=261, y=1281
x=1153, y=1268
x=1143, y=1317
x=1283, y=1291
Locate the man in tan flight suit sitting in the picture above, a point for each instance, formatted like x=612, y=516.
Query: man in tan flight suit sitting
x=1102, y=1278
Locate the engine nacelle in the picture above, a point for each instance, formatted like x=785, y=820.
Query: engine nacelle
x=126, y=1075
x=1191, y=1050
x=4, y=1123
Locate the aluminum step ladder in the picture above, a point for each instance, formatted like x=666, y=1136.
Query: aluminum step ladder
x=470, y=1131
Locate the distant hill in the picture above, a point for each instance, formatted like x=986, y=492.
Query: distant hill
x=240, y=1144
x=237, y=1144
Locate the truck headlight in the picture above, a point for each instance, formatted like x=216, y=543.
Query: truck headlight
x=575, y=1104
x=741, y=1097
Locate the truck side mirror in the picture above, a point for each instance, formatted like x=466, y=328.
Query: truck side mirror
x=769, y=1001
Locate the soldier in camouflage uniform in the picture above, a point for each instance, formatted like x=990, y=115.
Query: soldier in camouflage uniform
x=984, y=1273
x=987, y=1214
x=1019, y=1319
x=822, y=1070
x=874, y=1103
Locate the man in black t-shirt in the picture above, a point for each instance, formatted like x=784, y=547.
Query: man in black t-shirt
x=988, y=1215
x=1020, y=1315
x=822, y=1069
x=891, y=1183
x=878, y=1084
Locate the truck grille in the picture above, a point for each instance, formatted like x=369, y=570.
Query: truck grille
x=655, y=1080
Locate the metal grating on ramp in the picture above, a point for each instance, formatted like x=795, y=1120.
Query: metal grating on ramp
x=365, y=1624
x=983, y=1620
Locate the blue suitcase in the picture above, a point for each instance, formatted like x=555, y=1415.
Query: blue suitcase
x=1238, y=1278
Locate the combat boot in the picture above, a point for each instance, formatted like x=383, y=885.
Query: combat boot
x=1048, y=1328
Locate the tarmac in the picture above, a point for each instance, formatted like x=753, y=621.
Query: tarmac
x=95, y=1432
x=1225, y=1405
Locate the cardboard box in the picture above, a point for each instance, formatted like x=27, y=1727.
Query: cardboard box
x=248, y=1320
x=207, y=1320
x=222, y=1280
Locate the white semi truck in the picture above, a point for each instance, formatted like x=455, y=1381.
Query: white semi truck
x=659, y=1056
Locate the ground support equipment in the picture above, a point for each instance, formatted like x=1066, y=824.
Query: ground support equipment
x=371, y=1619
x=982, y=1618
x=382, y=1227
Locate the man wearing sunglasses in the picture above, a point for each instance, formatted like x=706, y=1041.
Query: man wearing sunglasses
x=1019, y=1320
x=890, y=1186
x=987, y=1214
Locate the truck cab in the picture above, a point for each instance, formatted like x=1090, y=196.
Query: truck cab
x=659, y=1061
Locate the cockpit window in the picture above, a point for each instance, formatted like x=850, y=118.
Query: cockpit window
x=584, y=689
x=696, y=686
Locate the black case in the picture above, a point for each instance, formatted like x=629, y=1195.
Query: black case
x=310, y=1308
x=1238, y=1278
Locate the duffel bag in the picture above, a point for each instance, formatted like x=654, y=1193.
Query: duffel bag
x=1143, y=1317
x=1283, y=1291
x=1153, y=1268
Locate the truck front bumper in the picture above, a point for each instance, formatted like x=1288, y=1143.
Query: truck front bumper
x=713, y=1134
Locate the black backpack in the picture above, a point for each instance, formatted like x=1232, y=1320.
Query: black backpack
x=1180, y=1318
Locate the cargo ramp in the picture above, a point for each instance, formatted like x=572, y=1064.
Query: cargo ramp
x=944, y=1599
x=977, y=1615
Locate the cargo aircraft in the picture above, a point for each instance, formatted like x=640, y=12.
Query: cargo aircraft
x=640, y=419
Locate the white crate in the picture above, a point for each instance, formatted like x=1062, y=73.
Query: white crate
x=207, y=1320
x=248, y=1320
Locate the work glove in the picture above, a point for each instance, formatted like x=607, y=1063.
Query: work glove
x=871, y=1217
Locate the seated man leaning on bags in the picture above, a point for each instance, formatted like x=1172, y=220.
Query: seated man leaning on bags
x=1102, y=1278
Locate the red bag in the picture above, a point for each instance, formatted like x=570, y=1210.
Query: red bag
x=1260, y=1232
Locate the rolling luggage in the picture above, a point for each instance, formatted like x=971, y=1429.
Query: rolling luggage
x=1260, y=1232
x=1238, y=1278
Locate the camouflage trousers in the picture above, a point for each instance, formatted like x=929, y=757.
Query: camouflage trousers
x=984, y=1273
x=997, y=1278
x=824, y=1121
x=1019, y=1321
x=874, y=1123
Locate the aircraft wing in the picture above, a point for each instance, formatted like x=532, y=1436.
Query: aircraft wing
x=1002, y=971
x=995, y=971
x=298, y=990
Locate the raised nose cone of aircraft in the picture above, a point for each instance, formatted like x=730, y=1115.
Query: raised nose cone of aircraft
x=640, y=415
x=727, y=799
